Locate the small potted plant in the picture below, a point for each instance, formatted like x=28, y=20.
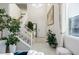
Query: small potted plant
x=30, y=25
x=52, y=39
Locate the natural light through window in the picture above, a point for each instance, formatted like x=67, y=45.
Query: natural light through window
x=73, y=14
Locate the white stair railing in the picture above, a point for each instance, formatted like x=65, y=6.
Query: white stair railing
x=23, y=41
x=25, y=35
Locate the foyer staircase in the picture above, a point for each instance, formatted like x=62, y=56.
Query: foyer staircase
x=25, y=36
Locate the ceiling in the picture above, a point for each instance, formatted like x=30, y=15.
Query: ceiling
x=22, y=5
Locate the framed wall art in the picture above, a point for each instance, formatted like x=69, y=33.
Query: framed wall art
x=50, y=16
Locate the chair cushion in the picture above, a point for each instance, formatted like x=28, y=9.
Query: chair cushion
x=62, y=51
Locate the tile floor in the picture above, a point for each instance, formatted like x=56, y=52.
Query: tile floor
x=40, y=44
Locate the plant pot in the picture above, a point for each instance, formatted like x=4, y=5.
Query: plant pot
x=12, y=48
x=53, y=46
x=2, y=46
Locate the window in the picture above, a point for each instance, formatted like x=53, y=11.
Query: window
x=74, y=26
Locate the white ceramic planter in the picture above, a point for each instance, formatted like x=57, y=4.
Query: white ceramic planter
x=12, y=48
x=2, y=46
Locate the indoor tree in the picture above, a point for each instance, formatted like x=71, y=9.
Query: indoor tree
x=4, y=20
x=13, y=26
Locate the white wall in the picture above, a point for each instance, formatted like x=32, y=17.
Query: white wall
x=14, y=11
x=73, y=9
x=71, y=43
x=23, y=11
x=56, y=26
x=63, y=26
x=5, y=6
x=37, y=14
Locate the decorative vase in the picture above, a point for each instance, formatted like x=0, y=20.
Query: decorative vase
x=12, y=48
x=2, y=46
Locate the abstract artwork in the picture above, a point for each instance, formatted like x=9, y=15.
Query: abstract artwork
x=50, y=16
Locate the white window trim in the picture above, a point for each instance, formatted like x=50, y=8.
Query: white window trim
x=64, y=19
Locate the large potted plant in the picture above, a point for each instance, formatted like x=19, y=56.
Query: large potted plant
x=52, y=39
x=14, y=28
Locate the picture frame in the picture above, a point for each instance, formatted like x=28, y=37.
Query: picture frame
x=50, y=16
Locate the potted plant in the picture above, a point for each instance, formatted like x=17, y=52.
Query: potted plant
x=52, y=39
x=14, y=28
x=30, y=25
